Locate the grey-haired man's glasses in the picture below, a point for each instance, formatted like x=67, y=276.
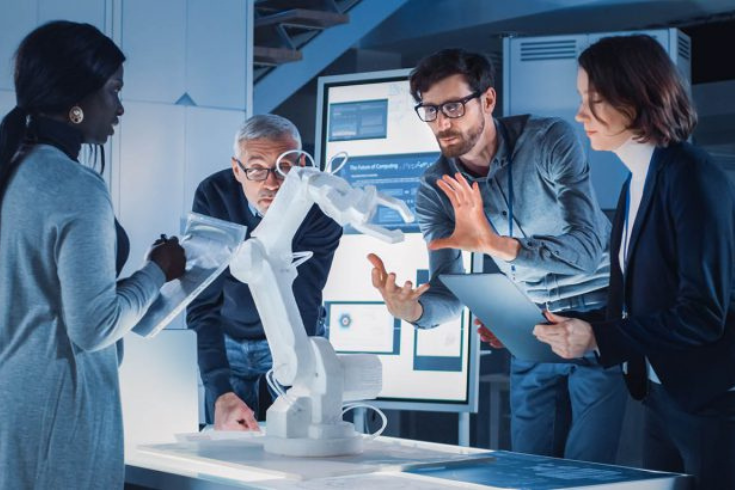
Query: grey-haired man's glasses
x=452, y=109
x=259, y=174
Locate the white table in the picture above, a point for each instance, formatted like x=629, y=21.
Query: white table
x=221, y=462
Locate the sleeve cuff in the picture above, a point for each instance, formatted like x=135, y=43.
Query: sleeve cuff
x=611, y=344
x=528, y=253
x=534, y=253
x=152, y=270
x=425, y=313
x=218, y=385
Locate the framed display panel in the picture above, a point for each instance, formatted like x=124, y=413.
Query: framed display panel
x=370, y=116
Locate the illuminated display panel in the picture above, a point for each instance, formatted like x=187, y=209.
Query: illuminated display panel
x=371, y=117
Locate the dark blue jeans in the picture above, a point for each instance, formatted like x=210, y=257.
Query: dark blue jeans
x=249, y=361
x=700, y=444
x=567, y=410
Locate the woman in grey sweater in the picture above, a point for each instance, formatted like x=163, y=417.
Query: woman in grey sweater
x=62, y=309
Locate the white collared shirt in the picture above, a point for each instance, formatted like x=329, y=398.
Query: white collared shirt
x=637, y=157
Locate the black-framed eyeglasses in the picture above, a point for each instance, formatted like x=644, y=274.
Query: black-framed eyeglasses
x=259, y=174
x=452, y=109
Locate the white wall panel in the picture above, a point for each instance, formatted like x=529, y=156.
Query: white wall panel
x=216, y=53
x=7, y=102
x=17, y=19
x=20, y=17
x=154, y=41
x=158, y=388
x=89, y=11
x=151, y=172
x=209, y=137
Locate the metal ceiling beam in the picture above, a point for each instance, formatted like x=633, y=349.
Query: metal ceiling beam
x=282, y=82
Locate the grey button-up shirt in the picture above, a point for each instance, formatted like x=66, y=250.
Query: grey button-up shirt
x=563, y=233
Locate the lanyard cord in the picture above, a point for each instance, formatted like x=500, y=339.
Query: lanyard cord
x=509, y=149
x=510, y=197
x=510, y=207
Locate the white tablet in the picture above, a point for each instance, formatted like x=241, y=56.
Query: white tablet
x=505, y=310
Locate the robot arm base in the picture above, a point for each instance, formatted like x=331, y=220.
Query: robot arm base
x=291, y=432
x=350, y=443
x=307, y=420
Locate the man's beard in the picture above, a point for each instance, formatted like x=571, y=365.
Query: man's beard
x=465, y=143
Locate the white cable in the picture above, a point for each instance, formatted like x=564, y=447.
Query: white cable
x=350, y=406
x=344, y=155
x=300, y=153
x=275, y=386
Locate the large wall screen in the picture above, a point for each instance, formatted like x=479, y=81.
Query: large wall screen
x=370, y=116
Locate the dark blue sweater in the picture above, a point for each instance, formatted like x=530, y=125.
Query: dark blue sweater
x=227, y=306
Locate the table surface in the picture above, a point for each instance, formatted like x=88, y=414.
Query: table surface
x=217, y=461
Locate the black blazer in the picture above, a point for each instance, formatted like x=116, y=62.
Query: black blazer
x=679, y=283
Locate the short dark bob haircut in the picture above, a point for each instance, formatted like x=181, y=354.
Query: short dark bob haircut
x=635, y=76
x=476, y=68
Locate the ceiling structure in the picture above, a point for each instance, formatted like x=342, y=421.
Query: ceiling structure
x=413, y=28
x=426, y=25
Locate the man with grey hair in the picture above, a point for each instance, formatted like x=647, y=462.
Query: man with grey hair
x=233, y=352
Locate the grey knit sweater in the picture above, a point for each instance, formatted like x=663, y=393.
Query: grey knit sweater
x=61, y=312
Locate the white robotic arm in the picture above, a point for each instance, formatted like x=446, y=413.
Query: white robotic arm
x=347, y=205
x=307, y=419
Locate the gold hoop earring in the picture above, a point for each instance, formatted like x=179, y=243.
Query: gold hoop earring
x=76, y=114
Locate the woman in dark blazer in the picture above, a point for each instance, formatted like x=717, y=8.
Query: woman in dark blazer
x=670, y=320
